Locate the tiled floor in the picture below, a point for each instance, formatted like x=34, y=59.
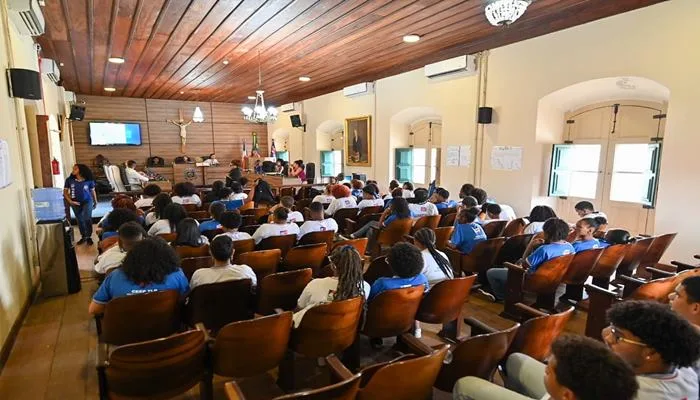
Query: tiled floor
x=53, y=357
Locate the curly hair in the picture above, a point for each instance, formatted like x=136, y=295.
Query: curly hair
x=160, y=202
x=405, y=260
x=348, y=268
x=119, y=217
x=150, y=261
x=340, y=191
x=85, y=172
x=123, y=201
x=357, y=184
x=659, y=327
x=151, y=190
x=184, y=189
x=591, y=370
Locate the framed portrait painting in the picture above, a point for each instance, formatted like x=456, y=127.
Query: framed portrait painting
x=358, y=141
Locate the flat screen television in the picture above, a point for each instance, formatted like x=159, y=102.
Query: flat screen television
x=115, y=134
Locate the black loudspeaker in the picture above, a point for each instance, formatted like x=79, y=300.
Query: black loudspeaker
x=485, y=115
x=24, y=83
x=77, y=113
x=296, y=121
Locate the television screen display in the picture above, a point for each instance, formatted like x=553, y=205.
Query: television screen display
x=115, y=133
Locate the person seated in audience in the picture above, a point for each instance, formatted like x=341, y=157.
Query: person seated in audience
x=119, y=201
x=149, y=193
x=262, y=193
x=215, y=193
x=279, y=226
x=318, y=221
x=397, y=193
x=480, y=195
x=579, y=368
x=555, y=245
x=406, y=261
x=467, y=203
x=441, y=198
x=369, y=198
x=398, y=210
x=466, y=190
x=538, y=216
x=585, y=209
x=215, y=210
x=211, y=161
x=393, y=185
x=422, y=207
x=489, y=212
x=357, y=186
x=467, y=232
x=343, y=199
x=221, y=250
x=237, y=192
x=602, y=224
x=117, y=218
x=584, y=235
x=325, y=197
x=130, y=233
x=617, y=236
x=230, y=222
x=171, y=216
x=685, y=300
x=346, y=283
x=134, y=178
x=288, y=203
x=150, y=266
x=244, y=182
x=159, y=203
x=188, y=234
x=436, y=265
x=186, y=193
x=407, y=190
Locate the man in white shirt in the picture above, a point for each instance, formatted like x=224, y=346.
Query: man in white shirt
x=318, y=222
x=369, y=198
x=149, y=193
x=135, y=178
x=280, y=226
x=230, y=222
x=129, y=234
x=211, y=161
x=422, y=207
x=221, y=250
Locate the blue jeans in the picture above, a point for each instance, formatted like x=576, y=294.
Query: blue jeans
x=497, y=280
x=83, y=214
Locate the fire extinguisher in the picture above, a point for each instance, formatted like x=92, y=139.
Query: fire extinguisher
x=55, y=167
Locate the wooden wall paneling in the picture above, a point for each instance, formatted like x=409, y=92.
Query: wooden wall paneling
x=226, y=113
x=114, y=108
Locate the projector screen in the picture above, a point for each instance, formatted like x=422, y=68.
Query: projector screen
x=115, y=133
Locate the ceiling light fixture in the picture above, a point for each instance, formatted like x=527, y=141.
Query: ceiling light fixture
x=258, y=113
x=505, y=12
x=225, y=62
x=61, y=64
x=110, y=89
x=116, y=60
x=251, y=97
x=411, y=38
x=304, y=78
x=181, y=92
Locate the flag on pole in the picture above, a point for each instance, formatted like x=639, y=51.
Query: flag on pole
x=245, y=152
x=273, y=151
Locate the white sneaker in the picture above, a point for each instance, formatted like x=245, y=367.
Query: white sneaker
x=417, y=333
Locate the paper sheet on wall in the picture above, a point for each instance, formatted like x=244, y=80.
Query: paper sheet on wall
x=5, y=173
x=465, y=156
x=452, y=156
x=507, y=158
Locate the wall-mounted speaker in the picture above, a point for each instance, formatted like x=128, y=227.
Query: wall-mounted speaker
x=24, y=83
x=296, y=121
x=77, y=113
x=485, y=115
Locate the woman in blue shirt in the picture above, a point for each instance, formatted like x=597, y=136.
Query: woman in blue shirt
x=467, y=232
x=584, y=235
x=398, y=210
x=79, y=192
x=406, y=261
x=150, y=266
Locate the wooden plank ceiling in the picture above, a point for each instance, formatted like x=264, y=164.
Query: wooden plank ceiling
x=177, y=49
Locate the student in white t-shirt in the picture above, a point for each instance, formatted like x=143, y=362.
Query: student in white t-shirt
x=230, y=221
x=489, y=212
x=158, y=205
x=538, y=216
x=149, y=193
x=407, y=190
x=343, y=199
x=585, y=209
x=325, y=197
x=422, y=207
x=185, y=193
x=369, y=198
x=221, y=250
x=436, y=265
x=237, y=194
x=318, y=222
x=130, y=233
x=279, y=227
x=172, y=214
x=346, y=283
x=288, y=203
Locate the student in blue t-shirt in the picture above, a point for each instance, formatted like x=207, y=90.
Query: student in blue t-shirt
x=398, y=210
x=215, y=210
x=441, y=198
x=467, y=232
x=150, y=266
x=584, y=235
x=79, y=192
x=555, y=245
x=407, y=263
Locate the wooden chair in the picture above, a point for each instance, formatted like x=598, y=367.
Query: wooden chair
x=447, y=211
x=250, y=229
x=392, y=312
x=199, y=215
x=301, y=204
x=359, y=244
x=217, y=304
x=427, y=221
x=494, y=229
x=607, y=264
x=168, y=237
x=479, y=260
x=633, y=257
x=138, y=318
x=447, y=219
x=263, y=262
x=283, y=243
x=105, y=244
x=344, y=213
x=190, y=207
x=443, y=303
x=442, y=236
x=212, y=233
x=514, y=227
x=390, y=235
x=190, y=251
x=282, y=290
x=378, y=268
x=190, y=264
x=156, y=369
x=578, y=272
x=656, y=250
x=307, y=256
x=319, y=237
x=345, y=390
x=353, y=224
x=256, y=212
x=543, y=283
x=287, y=191
x=241, y=247
x=249, y=220
x=513, y=249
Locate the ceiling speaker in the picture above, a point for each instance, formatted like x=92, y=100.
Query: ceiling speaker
x=77, y=113
x=24, y=83
x=485, y=115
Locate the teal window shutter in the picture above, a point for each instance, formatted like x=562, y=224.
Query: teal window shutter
x=326, y=163
x=404, y=165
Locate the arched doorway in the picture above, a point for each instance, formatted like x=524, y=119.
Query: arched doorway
x=415, y=137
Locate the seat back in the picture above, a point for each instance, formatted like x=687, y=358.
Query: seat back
x=367, y=211
x=157, y=369
x=190, y=251
x=141, y=317
x=633, y=256
x=301, y=204
x=328, y=328
x=549, y=275
x=263, y=262
x=190, y=207
x=656, y=250
x=377, y=268
x=609, y=260
x=249, y=348
x=443, y=303
x=581, y=266
x=482, y=256
x=250, y=229
x=249, y=220
x=241, y=247
x=514, y=227
x=217, y=304
x=168, y=237
x=340, y=216
x=307, y=256
x=476, y=356
x=344, y=390
x=427, y=221
x=389, y=381
x=198, y=215
x=494, y=229
x=536, y=335
x=325, y=237
x=283, y=243
x=442, y=236
x=359, y=244
x=282, y=290
x=392, y=312
x=394, y=233
x=104, y=244
x=191, y=264
x=117, y=176
x=212, y=233
x=287, y=191
x=513, y=248
x=447, y=211
x=447, y=219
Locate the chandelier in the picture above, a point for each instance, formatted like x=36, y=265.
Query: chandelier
x=505, y=12
x=258, y=113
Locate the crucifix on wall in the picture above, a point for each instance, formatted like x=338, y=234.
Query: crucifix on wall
x=182, y=124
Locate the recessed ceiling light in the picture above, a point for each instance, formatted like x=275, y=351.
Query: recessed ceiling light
x=251, y=97
x=411, y=38
x=225, y=62
x=182, y=92
x=116, y=60
x=304, y=78
x=61, y=64
x=110, y=89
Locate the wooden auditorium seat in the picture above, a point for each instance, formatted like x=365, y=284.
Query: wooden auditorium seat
x=318, y=237
x=495, y=228
x=366, y=215
x=168, y=237
x=447, y=219
x=283, y=243
x=514, y=227
x=426, y=221
x=443, y=303
x=359, y=244
x=479, y=260
x=578, y=272
x=282, y=290
x=241, y=247
x=190, y=264
x=306, y=256
x=192, y=251
x=513, y=249
x=263, y=262
x=344, y=390
x=344, y=213
x=378, y=268
x=390, y=235
x=442, y=236
x=217, y=304
x=392, y=312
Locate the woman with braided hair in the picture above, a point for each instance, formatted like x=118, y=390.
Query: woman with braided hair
x=436, y=265
x=345, y=283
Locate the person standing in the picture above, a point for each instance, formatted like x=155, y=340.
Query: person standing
x=79, y=192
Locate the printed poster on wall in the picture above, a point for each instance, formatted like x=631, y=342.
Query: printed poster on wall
x=507, y=158
x=465, y=155
x=452, y=156
x=5, y=173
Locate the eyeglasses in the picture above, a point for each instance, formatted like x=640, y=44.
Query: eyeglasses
x=617, y=337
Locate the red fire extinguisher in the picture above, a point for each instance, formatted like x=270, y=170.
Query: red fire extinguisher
x=54, y=167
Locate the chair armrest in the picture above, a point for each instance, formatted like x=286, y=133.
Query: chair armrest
x=233, y=391
x=102, y=355
x=200, y=327
x=529, y=312
x=515, y=282
x=479, y=327
x=600, y=301
x=665, y=267
x=515, y=267
x=409, y=239
x=350, y=225
x=338, y=370
x=415, y=345
x=631, y=284
x=680, y=266
x=644, y=235
x=659, y=273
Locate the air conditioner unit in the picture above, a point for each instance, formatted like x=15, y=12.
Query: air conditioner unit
x=463, y=64
x=289, y=107
x=69, y=97
x=27, y=17
x=50, y=68
x=358, y=90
